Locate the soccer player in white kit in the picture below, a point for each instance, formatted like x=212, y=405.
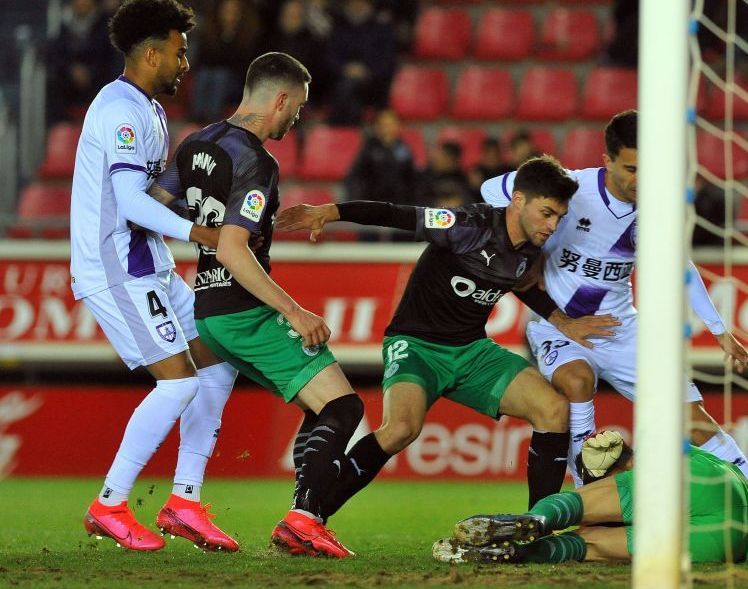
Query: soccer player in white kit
x=588, y=263
x=123, y=272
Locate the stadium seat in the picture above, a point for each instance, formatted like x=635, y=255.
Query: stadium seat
x=328, y=152
x=286, y=151
x=504, y=34
x=299, y=194
x=569, y=35
x=419, y=93
x=547, y=94
x=469, y=139
x=583, y=148
x=441, y=34
x=414, y=138
x=716, y=109
x=608, y=91
x=59, y=158
x=43, y=211
x=710, y=151
x=483, y=94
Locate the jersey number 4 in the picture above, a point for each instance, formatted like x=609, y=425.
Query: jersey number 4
x=155, y=306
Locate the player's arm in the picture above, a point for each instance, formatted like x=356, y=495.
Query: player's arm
x=234, y=253
x=703, y=306
x=362, y=212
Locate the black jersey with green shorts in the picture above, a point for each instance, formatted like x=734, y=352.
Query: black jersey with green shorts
x=228, y=178
x=437, y=336
x=718, y=508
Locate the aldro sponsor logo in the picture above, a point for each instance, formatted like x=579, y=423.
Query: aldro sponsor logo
x=464, y=287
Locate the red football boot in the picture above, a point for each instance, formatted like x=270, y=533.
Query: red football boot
x=300, y=534
x=119, y=523
x=189, y=519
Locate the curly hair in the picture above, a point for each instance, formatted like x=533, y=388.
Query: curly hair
x=138, y=20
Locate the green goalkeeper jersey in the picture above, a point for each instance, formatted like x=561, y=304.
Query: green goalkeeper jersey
x=718, y=508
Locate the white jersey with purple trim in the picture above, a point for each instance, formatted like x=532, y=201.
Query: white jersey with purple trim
x=590, y=257
x=124, y=129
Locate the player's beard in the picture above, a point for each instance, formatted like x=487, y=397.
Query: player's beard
x=283, y=129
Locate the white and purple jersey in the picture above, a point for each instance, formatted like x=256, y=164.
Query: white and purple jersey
x=590, y=257
x=124, y=130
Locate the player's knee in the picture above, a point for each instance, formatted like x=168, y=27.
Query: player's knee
x=345, y=411
x=578, y=385
x=553, y=414
x=395, y=436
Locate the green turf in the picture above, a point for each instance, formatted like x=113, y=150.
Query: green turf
x=390, y=525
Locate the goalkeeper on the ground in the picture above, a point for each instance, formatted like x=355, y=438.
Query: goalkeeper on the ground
x=603, y=508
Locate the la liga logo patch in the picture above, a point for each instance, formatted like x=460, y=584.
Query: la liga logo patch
x=253, y=205
x=439, y=219
x=125, y=141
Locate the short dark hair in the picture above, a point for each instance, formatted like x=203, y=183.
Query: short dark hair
x=620, y=133
x=587, y=477
x=138, y=20
x=545, y=176
x=276, y=66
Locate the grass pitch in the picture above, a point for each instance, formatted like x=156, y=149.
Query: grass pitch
x=390, y=525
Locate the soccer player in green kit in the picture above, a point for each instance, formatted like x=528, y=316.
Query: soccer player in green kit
x=604, y=511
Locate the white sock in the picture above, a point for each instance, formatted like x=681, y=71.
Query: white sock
x=150, y=423
x=110, y=497
x=581, y=425
x=723, y=446
x=199, y=427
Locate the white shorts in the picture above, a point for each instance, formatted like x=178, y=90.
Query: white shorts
x=613, y=360
x=147, y=319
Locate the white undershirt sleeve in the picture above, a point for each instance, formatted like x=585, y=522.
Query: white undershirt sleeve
x=701, y=304
x=136, y=206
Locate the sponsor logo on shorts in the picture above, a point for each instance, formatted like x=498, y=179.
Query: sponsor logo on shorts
x=311, y=350
x=125, y=139
x=167, y=331
x=439, y=219
x=253, y=205
x=391, y=369
x=551, y=358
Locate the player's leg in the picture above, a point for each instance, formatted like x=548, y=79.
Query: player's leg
x=141, y=324
x=708, y=435
x=530, y=397
x=569, y=367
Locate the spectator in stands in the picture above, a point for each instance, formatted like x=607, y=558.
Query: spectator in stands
x=80, y=60
x=402, y=14
x=710, y=205
x=293, y=35
x=362, y=53
x=489, y=165
x=443, y=183
x=623, y=49
x=521, y=149
x=227, y=40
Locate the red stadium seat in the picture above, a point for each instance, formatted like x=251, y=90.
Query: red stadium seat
x=286, y=151
x=414, y=138
x=608, y=91
x=441, y=34
x=483, y=93
x=717, y=107
x=469, y=139
x=43, y=211
x=59, y=159
x=569, y=35
x=710, y=151
x=504, y=34
x=547, y=94
x=583, y=148
x=419, y=93
x=329, y=152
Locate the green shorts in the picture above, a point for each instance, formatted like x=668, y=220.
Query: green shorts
x=475, y=375
x=710, y=512
x=261, y=345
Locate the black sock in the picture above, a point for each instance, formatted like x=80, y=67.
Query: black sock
x=305, y=430
x=546, y=464
x=361, y=465
x=324, y=451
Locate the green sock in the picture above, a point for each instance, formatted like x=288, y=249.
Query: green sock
x=556, y=548
x=560, y=510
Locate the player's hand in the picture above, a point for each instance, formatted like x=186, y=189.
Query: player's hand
x=312, y=218
x=581, y=329
x=735, y=353
x=312, y=328
x=205, y=236
x=600, y=452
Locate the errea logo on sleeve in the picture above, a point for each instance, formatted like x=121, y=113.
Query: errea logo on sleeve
x=439, y=219
x=124, y=139
x=253, y=205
